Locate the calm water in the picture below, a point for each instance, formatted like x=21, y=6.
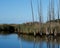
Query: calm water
x=24, y=41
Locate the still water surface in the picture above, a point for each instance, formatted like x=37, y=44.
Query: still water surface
x=25, y=41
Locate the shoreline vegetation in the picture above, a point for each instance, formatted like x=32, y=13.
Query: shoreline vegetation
x=31, y=28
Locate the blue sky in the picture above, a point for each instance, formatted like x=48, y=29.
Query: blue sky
x=19, y=11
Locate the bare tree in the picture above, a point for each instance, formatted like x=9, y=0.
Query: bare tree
x=52, y=10
x=58, y=10
x=32, y=11
x=40, y=14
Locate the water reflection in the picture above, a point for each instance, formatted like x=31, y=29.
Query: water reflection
x=13, y=40
x=42, y=42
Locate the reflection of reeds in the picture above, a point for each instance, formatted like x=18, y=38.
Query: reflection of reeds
x=37, y=39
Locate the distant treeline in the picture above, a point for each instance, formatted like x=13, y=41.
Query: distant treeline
x=6, y=27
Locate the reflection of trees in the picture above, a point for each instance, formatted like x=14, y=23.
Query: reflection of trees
x=51, y=42
x=6, y=27
x=34, y=42
x=29, y=38
x=41, y=43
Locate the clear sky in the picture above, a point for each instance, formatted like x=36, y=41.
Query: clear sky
x=19, y=11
